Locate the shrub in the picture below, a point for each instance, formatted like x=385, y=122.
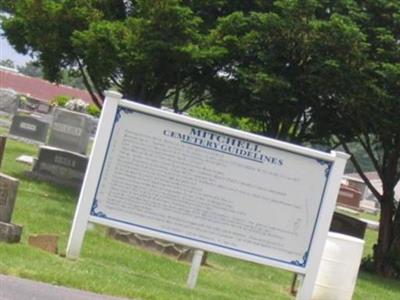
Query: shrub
x=93, y=110
x=60, y=100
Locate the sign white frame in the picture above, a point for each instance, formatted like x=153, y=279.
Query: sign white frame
x=84, y=213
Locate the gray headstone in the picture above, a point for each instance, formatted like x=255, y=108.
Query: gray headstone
x=94, y=123
x=8, y=194
x=47, y=118
x=5, y=120
x=348, y=225
x=29, y=127
x=70, y=131
x=60, y=166
x=9, y=101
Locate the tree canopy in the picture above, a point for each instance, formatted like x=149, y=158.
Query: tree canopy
x=275, y=65
x=8, y=63
x=145, y=49
x=7, y=5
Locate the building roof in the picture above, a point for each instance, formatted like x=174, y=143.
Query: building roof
x=372, y=176
x=38, y=88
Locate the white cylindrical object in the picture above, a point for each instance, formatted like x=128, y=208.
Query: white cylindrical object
x=337, y=274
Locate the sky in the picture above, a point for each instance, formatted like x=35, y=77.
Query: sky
x=7, y=52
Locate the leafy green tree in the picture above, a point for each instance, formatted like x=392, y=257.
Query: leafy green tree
x=68, y=77
x=31, y=69
x=369, y=117
x=7, y=5
x=274, y=64
x=148, y=50
x=45, y=28
x=7, y=63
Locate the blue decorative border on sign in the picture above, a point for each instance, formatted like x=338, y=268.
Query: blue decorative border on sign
x=94, y=212
x=299, y=263
x=328, y=165
x=118, y=115
x=119, y=112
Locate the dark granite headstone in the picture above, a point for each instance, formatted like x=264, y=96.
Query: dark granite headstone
x=347, y=225
x=60, y=166
x=29, y=128
x=70, y=131
x=8, y=194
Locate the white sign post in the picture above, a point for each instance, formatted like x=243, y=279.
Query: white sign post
x=209, y=187
x=195, y=268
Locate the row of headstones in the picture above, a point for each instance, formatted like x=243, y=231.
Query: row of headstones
x=68, y=130
x=10, y=103
x=63, y=159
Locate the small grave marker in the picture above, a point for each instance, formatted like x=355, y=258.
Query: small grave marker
x=26, y=159
x=46, y=242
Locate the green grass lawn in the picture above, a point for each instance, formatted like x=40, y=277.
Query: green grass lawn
x=111, y=267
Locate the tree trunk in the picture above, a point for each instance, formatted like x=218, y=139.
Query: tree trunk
x=383, y=249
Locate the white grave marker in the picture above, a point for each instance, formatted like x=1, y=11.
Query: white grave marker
x=209, y=187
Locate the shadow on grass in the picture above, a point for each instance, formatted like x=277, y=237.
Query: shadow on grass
x=372, y=286
x=373, y=279
x=49, y=187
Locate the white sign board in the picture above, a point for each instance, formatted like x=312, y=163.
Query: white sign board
x=207, y=187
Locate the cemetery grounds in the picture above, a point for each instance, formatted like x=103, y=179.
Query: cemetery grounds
x=111, y=267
